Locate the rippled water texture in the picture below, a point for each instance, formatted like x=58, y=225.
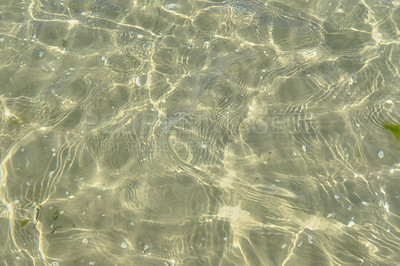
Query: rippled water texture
x=212, y=132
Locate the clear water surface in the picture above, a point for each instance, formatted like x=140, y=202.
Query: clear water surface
x=210, y=132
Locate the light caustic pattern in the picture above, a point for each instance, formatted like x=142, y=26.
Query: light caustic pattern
x=199, y=132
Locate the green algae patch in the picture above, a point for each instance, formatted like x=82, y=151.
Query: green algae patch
x=395, y=129
x=24, y=222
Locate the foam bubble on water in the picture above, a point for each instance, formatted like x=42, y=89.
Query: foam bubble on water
x=171, y=7
x=351, y=224
x=85, y=240
x=386, y=206
x=381, y=154
x=138, y=81
x=124, y=245
x=304, y=148
x=310, y=239
x=331, y=215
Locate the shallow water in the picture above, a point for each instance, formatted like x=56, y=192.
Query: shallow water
x=199, y=132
